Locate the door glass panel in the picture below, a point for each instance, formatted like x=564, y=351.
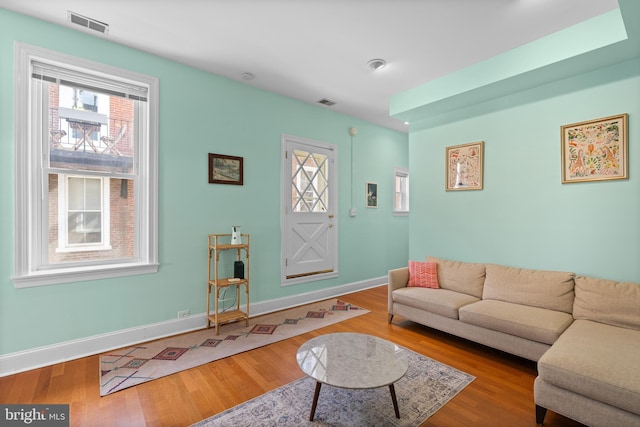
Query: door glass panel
x=309, y=182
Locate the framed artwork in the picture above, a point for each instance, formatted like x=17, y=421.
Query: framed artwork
x=372, y=195
x=464, y=166
x=225, y=169
x=595, y=150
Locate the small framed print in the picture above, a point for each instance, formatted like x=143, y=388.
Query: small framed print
x=464, y=166
x=225, y=169
x=372, y=195
x=595, y=150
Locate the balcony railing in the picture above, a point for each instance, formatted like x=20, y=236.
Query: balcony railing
x=89, y=138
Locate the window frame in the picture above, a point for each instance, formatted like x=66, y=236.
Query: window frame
x=30, y=226
x=399, y=172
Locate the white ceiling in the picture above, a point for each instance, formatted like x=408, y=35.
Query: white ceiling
x=314, y=49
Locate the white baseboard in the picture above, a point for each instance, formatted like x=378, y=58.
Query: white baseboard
x=13, y=363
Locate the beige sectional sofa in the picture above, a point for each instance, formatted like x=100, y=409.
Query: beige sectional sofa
x=583, y=332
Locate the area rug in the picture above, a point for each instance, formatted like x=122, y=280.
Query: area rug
x=135, y=365
x=427, y=387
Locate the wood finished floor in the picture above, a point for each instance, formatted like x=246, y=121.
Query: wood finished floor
x=501, y=394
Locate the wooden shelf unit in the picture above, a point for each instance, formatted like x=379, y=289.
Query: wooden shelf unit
x=214, y=282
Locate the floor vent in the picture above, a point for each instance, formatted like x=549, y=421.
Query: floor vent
x=89, y=23
x=326, y=102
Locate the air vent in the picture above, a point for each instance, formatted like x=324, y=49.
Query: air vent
x=326, y=102
x=89, y=23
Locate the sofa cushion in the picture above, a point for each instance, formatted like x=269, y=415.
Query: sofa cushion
x=598, y=361
x=465, y=277
x=533, y=323
x=537, y=288
x=423, y=274
x=439, y=301
x=607, y=301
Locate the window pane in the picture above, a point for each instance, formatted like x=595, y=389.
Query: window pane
x=90, y=130
x=84, y=227
x=310, y=186
x=93, y=194
x=75, y=192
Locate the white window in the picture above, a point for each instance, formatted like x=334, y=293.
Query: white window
x=401, y=191
x=83, y=213
x=86, y=170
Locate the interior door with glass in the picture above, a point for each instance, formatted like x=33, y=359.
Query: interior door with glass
x=309, y=224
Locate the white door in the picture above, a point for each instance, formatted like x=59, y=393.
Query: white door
x=309, y=225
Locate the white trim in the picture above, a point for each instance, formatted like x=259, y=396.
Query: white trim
x=34, y=358
x=82, y=274
x=269, y=306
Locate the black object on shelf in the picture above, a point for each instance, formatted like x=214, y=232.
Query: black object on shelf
x=238, y=270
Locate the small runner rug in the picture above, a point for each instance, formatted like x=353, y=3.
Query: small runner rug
x=135, y=365
x=427, y=387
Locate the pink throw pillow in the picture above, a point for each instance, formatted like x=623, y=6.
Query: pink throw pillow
x=423, y=274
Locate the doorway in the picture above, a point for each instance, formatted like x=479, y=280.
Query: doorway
x=309, y=224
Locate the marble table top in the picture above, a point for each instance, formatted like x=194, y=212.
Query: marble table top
x=352, y=360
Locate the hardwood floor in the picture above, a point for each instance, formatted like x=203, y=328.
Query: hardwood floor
x=501, y=394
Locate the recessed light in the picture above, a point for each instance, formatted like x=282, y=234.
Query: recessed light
x=377, y=64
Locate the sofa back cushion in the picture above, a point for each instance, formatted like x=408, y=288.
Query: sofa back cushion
x=465, y=277
x=607, y=301
x=552, y=290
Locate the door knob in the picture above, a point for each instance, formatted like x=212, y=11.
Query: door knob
x=330, y=215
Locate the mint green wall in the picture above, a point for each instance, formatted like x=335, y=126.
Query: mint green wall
x=199, y=113
x=525, y=216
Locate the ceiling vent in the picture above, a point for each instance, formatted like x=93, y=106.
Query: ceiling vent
x=89, y=23
x=326, y=102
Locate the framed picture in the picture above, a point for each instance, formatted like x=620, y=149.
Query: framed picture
x=464, y=166
x=372, y=195
x=595, y=150
x=225, y=169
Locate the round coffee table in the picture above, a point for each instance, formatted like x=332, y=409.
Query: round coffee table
x=354, y=361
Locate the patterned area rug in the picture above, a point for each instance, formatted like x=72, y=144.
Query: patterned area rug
x=427, y=387
x=135, y=365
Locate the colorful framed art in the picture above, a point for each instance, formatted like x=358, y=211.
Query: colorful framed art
x=465, y=167
x=595, y=150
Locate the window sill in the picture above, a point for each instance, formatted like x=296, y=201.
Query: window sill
x=400, y=213
x=81, y=274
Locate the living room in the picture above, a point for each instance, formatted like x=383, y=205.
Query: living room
x=524, y=215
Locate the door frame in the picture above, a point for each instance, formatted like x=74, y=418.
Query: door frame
x=285, y=206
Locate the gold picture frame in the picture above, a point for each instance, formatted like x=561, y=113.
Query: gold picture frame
x=595, y=150
x=464, y=168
